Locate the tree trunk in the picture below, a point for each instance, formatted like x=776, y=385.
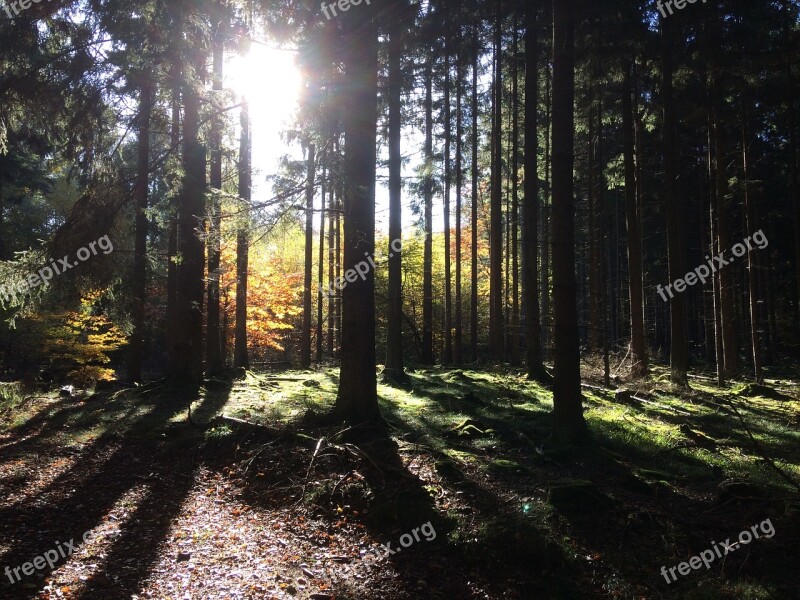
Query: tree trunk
x=172, y=241
x=458, y=341
x=679, y=344
x=215, y=360
x=394, y=335
x=546, y=222
x=339, y=207
x=186, y=351
x=712, y=218
x=515, y=341
x=448, y=284
x=727, y=312
x=305, y=334
x=568, y=421
x=473, y=317
x=639, y=366
x=321, y=265
x=357, y=400
x=530, y=210
x=496, y=207
x=332, y=216
x=752, y=264
x=240, y=355
x=427, y=276
x=140, y=235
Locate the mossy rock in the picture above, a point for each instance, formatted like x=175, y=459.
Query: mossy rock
x=578, y=496
x=503, y=466
x=458, y=376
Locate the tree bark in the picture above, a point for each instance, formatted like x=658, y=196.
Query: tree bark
x=172, y=240
x=679, y=344
x=458, y=341
x=427, y=276
x=496, y=208
x=752, y=261
x=332, y=216
x=357, y=400
x=515, y=316
x=186, y=351
x=305, y=334
x=240, y=354
x=140, y=235
x=473, y=317
x=639, y=366
x=321, y=265
x=448, y=283
x=215, y=361
x=530, y=210
x=394, y=335
x=569, y=425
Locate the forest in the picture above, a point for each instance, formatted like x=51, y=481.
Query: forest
x=399, y=299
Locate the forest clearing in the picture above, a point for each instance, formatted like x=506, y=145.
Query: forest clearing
x=399, y=299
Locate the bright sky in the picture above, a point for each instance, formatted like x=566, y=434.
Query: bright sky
x=271, y=81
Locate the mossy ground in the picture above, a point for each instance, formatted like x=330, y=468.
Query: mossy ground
x=469, y=450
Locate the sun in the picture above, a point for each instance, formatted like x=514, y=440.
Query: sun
x=270, y=80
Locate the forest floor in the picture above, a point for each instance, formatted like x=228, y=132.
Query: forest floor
x=465, y=492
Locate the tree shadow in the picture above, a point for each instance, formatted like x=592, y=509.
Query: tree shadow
x=92, y=488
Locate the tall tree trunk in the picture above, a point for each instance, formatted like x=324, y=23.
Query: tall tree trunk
x=458, y=341
x=172, y=240
x=515, y=341
x=752, y=265
x=569, y=424
x=729, y=335
x=473, y=316
x=186, y=352
x=305, y=334
x=321, y=265
x=596, y=229
x=679, y=343
x=331, y=258
x=712, y=218
x=639, y=365
x=546, y=219
x=530, y=210
x=427, y=276
x=795, y=188
x=394, y=335
x=215, y=361
x=357, y=400
x=601, y=203
x=240, y=354
x=140, y=236
x=496, y=207
x=339, y=210
x=448, y=284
